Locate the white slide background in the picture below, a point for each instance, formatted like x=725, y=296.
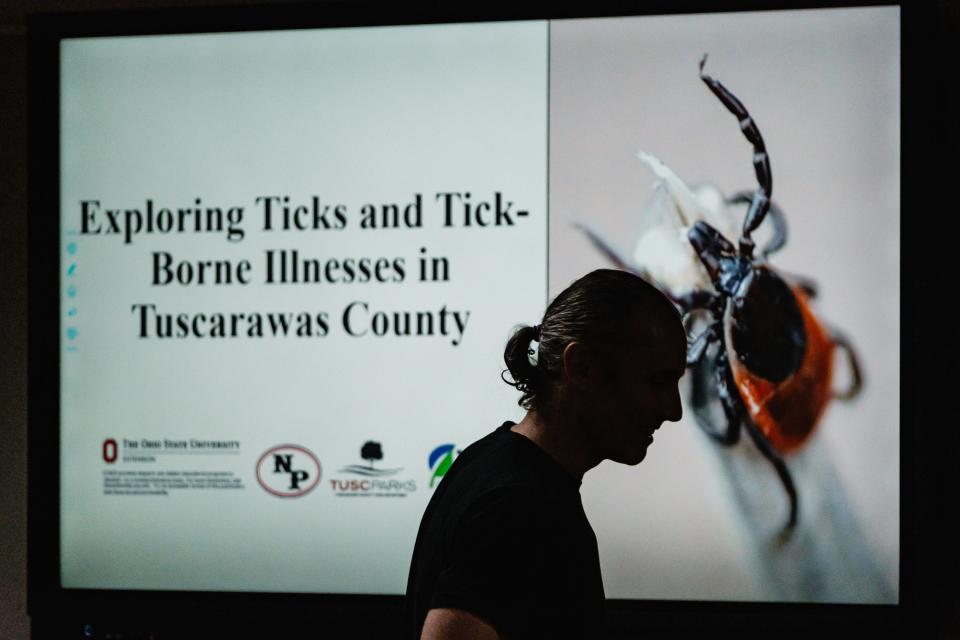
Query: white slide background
x=353, y=116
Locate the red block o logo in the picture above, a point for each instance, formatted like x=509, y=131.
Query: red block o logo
x=110, y=450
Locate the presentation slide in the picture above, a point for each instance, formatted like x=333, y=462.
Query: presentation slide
x=291, y=261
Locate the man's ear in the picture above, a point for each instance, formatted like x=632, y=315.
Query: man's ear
x=576, y=364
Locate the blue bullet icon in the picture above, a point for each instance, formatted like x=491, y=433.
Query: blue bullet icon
x=72, y=311
x=72, y=333
x=72, y=291
x=71, y=248
x=72, y=269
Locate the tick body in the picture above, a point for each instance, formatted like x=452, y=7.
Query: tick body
x=759, y=350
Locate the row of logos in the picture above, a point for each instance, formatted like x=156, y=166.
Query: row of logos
x=291, y=471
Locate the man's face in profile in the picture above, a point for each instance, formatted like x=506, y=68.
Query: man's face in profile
x=642, y=391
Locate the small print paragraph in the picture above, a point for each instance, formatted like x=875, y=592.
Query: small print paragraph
x=162, y=483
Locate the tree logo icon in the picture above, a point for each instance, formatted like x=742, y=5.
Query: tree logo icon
x=440, y=460
x=370, y=451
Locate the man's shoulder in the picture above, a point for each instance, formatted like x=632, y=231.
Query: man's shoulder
x=503, y=488
x=503, y=468
x=512, y=511
x=508, y=542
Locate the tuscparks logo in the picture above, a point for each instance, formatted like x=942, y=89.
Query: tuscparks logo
x=440, y=460
x=370, y=451
x=288, y=471
x=372, y=482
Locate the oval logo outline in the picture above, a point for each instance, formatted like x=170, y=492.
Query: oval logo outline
x=288, y=494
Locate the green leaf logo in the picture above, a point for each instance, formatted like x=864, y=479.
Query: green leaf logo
x=439, y=461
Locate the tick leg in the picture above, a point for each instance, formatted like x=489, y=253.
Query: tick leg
x=698, y=347
x=706, y=391
x=732, y=407
x=698, y=299
x=775, y=216
x=771, y=454
x=856, y=382
x=618, y=259
x=696, y=303
x=704, y=397
x=622, y=262
x=760, y=203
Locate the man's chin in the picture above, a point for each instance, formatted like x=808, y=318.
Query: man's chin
x=632, y=457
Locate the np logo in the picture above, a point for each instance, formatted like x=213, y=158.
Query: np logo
x=440, y=460
x=288, y=471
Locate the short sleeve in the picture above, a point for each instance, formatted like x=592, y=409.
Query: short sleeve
x=506, y=564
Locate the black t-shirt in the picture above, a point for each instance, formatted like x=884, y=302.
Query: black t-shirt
x=505, y=538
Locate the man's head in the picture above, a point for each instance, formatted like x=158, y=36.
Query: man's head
x=609, y=353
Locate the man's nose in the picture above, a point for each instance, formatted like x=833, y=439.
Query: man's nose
x=674, y=408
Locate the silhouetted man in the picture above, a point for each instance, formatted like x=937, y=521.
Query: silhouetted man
x=504, y=548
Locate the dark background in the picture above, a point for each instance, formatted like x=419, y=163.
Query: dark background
x=929, y=209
